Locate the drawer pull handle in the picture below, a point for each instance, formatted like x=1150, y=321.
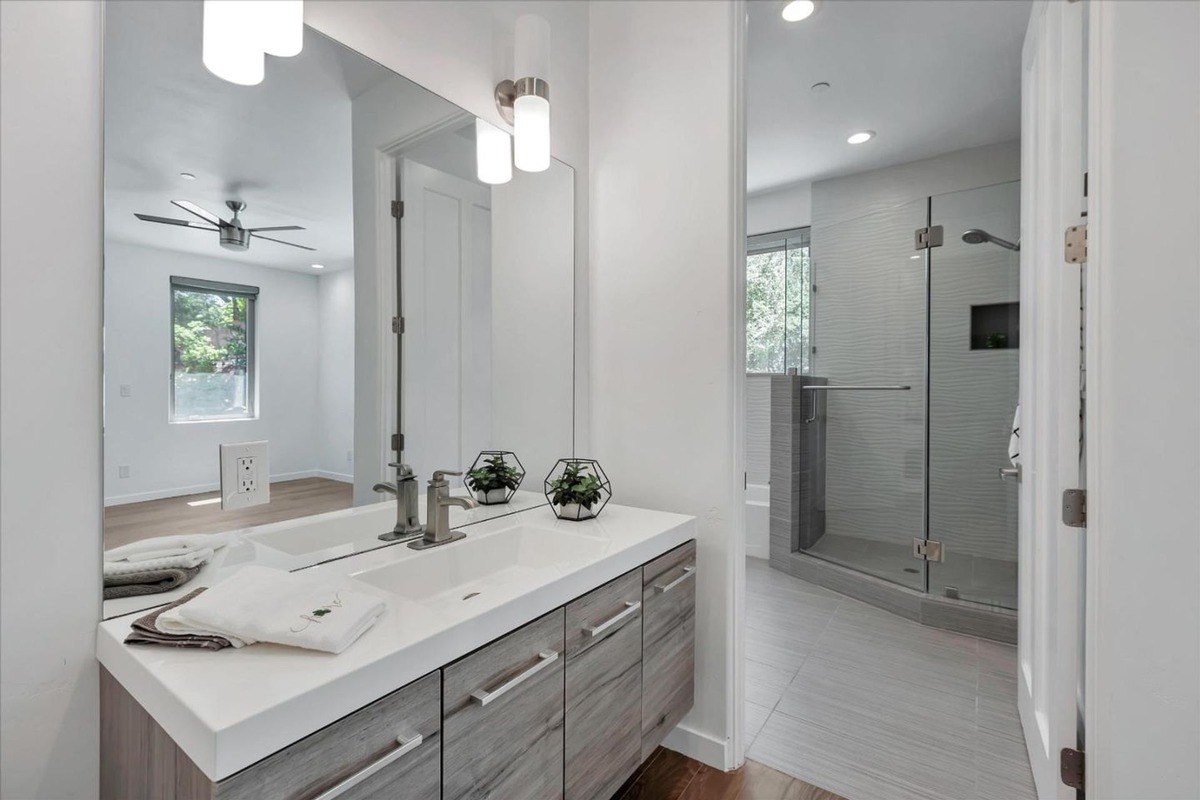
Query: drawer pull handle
x=663, y=589
x=616, y=619
x=483, y=697
x=407, y=745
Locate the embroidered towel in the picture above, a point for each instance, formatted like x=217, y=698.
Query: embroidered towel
x=164, y=552
x=1014, y=440
x=259, y=604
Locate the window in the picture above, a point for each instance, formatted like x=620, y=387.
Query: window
x=778, y=302
x=212, y=350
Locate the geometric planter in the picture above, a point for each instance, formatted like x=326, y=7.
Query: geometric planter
x=587, y=479
x=493, y=493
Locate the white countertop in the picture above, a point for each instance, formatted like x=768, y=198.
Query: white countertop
x=230, y=708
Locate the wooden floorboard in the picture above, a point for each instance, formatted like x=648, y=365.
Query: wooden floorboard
x=173, y=515
x=667, y=775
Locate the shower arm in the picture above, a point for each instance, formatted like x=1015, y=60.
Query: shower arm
x=826, y=388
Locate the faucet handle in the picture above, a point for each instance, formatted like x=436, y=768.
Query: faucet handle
x=403, y=471
x=439, y=475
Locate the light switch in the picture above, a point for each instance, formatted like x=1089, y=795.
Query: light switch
x=126, y=390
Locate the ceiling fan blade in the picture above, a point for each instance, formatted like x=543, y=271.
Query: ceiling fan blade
x=192, y=208
x=280, y=241
x=187, y=223
x=278, y=228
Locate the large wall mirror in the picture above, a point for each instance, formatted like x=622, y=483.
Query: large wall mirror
x=262, y=245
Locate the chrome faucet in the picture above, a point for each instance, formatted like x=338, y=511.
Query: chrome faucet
x=408, y=520
x=437, y=512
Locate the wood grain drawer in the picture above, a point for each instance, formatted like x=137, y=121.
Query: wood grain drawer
x=604, y=688
x=502, y=717
x=668, y=643
x=353, y=746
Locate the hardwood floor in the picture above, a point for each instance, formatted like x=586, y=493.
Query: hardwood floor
x=289, y=500
x=667, y=775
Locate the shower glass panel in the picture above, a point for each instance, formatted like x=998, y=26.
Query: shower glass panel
x=974, y=337
x=869, y=344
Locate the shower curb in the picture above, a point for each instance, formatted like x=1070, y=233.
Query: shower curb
x=960, y=616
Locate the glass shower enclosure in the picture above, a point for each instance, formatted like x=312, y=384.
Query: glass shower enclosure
x=912, y=365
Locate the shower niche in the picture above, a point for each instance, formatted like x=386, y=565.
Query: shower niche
x=996, y=326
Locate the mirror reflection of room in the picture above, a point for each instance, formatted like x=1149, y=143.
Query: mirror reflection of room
x=254, y=371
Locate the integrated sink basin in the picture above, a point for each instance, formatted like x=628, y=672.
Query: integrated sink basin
x=486, y=568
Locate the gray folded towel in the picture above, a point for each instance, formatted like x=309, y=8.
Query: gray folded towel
x=151, y=581
x=145, y=631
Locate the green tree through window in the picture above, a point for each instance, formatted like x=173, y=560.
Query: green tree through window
x=212, y=329
x=778, y=302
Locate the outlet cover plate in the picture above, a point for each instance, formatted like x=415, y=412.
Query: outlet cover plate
x=245, y=475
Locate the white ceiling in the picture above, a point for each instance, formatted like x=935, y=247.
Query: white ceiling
x=282, y=147
x=929, y=76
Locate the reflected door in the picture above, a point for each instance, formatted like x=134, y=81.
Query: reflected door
x=974, y=340
x=869, y=342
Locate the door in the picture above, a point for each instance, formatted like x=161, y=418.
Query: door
x=1050, y=561
x=445, y=250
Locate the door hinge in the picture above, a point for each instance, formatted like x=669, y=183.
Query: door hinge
x=398, y=209
x=926, y=238
x=1070, y=767
x=927, y=550
x=398, y=442
x=1075, y=249
x=397, y=324
x=1074, y=508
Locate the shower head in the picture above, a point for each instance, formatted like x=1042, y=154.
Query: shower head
x=979, y=236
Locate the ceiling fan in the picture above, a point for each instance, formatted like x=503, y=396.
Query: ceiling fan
x=233, y=235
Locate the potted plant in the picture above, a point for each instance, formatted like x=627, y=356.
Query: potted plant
x=579, y=491
x=494, y=481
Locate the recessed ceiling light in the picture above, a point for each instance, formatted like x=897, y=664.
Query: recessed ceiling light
x=318, y=266
x=820, y=87
x=860, y=137
x=799, y=9
x=187, y=176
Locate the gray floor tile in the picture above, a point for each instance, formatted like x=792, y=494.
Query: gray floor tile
x=755, y=718
x=765, y=683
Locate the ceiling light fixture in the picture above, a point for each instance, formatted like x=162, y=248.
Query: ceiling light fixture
x=318, y=266
x=524, y=101
x=187, y=176
x=799, y=9
x=238, y=34
x=493, y=153
x=860, y=137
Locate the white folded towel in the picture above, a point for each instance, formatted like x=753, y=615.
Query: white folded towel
x=164, y=552
x=1014, y=439
x=259, y=604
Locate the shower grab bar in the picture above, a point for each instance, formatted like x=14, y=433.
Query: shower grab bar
x=826, y=388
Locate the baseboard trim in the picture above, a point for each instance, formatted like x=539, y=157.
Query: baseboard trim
x=204, y=488
x=701, y=746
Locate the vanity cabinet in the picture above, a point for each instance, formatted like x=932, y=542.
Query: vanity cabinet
x=604, y=688
x=502, y=717
x=668, y=643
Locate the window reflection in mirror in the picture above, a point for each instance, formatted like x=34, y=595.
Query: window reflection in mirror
x=251, y=261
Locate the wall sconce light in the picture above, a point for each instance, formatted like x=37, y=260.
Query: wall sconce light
x=493, y=153
x=524, y=102
x=238, y=34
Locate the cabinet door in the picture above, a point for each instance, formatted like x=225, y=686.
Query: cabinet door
x=668, y=643
x=390, y=748
x=604, y=688
x=502, y=717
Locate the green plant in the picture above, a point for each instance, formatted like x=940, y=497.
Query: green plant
x=997, y=341
x=496, y=473
x=575, y=485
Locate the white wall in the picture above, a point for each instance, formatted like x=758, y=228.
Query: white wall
x=166, y=459
x=1143, y=373
x=779, y=209
x=51, y=155
x=335, y=375
x=667, y=360
x=50, y=184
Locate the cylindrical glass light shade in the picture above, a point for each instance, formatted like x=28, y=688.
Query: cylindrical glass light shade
x=280, y=26
x=230, y=50
x=531, y=133
x=493, y=153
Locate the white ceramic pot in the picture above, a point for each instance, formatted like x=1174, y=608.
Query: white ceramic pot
x=574, y=511
x=492, y=497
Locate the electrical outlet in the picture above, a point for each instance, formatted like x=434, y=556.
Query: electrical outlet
x=245, y=475
x=349, y=456
x=123, y=471
x=126, y=390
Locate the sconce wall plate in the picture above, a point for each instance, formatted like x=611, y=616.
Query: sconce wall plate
x=508, y=91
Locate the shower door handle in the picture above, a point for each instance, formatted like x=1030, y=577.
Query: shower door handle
x=827, y=388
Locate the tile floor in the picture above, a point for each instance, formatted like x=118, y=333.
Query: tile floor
x=872, y=706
